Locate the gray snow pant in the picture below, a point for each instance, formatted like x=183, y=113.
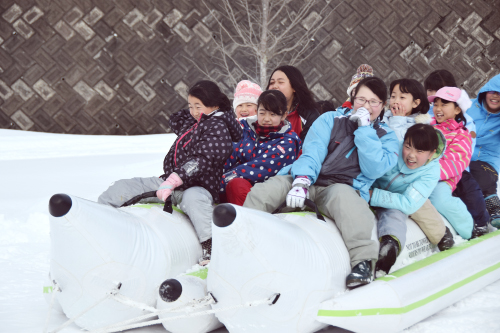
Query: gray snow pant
x=392, y=222
x=339, y=202
x=196, y=201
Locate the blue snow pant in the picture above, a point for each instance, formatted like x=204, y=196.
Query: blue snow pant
x=453, y=209
x=392, y=222
x=470, y=193
x=486, y=177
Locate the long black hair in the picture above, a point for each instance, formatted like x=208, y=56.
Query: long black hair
x=377, y=86
x=415, y=88
x=422, y=137
x=274, y=101
x=210, y=95
x=302, y=96
x=439, y=79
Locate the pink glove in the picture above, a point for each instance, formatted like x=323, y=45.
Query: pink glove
x=168, y=186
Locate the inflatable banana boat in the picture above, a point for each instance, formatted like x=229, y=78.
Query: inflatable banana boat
x=268, y=273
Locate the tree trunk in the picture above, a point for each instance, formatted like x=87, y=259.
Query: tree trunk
x=262, y=58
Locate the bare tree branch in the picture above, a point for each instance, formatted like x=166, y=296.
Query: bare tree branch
x=269, y=33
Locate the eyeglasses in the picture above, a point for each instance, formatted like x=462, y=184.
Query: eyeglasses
x=362, y=101
x=493, y=92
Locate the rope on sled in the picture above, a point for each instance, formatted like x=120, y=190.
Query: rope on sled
x=70, y=321
x=210, y=300
x=188, y=307
x=55, y=288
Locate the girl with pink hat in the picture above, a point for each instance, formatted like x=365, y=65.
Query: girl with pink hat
x=449, y=104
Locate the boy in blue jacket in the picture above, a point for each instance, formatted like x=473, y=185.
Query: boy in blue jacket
x=341, y=158
x=404, y=189
x=485, y=162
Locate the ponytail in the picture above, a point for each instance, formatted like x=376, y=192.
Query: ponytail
x=210, y=95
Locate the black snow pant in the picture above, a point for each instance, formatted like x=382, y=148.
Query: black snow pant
x=486, y=177
x=470, y=193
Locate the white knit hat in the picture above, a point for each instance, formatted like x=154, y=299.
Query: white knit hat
x=246, y=92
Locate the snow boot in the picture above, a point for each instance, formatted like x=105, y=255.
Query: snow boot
x=493, y=207
x=479, y=230
x=389, y=250
x=206, y=247
x=360, y=275
x=447, y=241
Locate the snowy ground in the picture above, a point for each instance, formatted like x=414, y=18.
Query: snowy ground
x=34, y=166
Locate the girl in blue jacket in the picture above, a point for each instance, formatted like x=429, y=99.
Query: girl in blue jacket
x=341, y=158
x=404, y=189
x=485, y=162
x=267, y=145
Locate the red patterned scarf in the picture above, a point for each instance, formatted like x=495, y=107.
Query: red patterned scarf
x=265, y=130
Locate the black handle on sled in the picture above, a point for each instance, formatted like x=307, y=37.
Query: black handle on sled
x=309, y=203
x=166, y=208
x=138, y=198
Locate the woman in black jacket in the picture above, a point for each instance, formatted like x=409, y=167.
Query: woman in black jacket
x=302, y=109
x=194, y=165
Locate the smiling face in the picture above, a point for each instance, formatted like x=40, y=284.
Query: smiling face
x=246, y=110
x=402, y=101
x=415, y=158
x=196, y=107
x=445, y=111
x=493, y=101
x=368, y=95
x=279, y=81
x=269, y=118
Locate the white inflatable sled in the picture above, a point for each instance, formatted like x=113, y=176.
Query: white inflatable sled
x=296, y=261
x=128, y=252
x=255, y=255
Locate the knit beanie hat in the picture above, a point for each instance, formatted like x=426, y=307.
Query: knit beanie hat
x=246, y=92
x=362, y=72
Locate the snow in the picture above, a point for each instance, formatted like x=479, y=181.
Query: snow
x=34, y=166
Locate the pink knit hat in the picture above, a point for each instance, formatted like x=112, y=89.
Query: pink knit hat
x=246, y=92
x=362, y=72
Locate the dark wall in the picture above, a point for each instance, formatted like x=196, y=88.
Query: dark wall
x=121, y=67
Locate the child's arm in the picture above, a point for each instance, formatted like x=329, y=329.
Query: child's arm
x=376, y=155
x=414, y=196
x=457, y=156
x=181, y=120
x=201, y=160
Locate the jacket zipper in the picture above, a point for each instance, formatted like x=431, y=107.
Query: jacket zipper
x=393, y=179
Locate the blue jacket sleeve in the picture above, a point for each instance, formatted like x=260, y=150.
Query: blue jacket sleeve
x=376, y=156
x=315, y=148
x=414, y=196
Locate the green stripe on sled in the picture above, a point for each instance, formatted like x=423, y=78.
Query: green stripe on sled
x=202, y=273
x=151, y=205
x=438, y=256
x=413, y=267
x=410, y=307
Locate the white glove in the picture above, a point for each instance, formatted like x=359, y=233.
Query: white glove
x=362, y=116
x=299, y=192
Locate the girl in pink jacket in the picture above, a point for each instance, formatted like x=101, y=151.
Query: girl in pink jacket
x=449, y=119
